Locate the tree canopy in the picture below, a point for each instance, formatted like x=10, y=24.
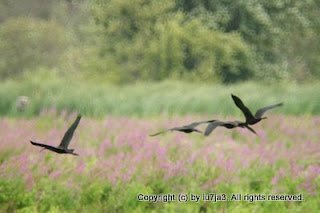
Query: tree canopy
x=126, y=41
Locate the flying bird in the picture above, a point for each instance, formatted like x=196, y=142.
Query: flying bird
x=250, y=118
x=63, y=147
x=227, y=124
x=186, y=129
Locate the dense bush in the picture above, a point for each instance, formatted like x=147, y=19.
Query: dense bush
x=282, y=33
x=146, y=40
x=30, y=8
x=27, y=43
x=126, y=41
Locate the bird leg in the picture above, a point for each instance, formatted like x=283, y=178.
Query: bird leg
x=198, y=131
x=252, y=130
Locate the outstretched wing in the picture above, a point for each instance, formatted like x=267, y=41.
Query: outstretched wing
x=158, y=133
x=211, y=126
x=195, y=124
x=243, y=108
x=42, y=145
x=171, y=129
x=69, y=134
x=261, y=111
x=189, y=126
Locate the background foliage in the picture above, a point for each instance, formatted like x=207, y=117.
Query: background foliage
x=122, y=41
x=48, y=91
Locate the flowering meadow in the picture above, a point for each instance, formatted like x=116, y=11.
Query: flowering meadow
x=119, y=160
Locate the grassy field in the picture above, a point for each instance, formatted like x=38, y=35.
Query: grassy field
x=118, y=161
x=154, y=99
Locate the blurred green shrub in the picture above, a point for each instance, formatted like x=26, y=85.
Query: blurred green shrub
x=282, y=33
x=145, y=40
x=34, y=8
x=208, y=40
x=123, y=41
x=27, y=43
x=14, y=195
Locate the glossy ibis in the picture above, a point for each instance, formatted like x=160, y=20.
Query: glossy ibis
x=227, y=124
x=186, y=129
x=63, y=147
x=252, y=119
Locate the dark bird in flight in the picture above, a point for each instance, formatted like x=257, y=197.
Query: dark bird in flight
x=227, y=124
x=252, y=119
x=186, y=129
x=63, y=147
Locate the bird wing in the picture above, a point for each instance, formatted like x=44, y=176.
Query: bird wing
x=211, y=126
x=171, y=129
x=190, y=126
x=42, y=145
x=243, y=108
x=261, y=111
x=195, y=124
x=158, y=133
x=69, y=133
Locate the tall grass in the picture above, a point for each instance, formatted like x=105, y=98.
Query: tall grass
x=153, y=99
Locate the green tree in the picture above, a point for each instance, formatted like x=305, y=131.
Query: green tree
x=27, y=43
x=151, y=40
x=35, y=8
x=282, y=32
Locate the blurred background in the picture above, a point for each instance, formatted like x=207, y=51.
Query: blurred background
x=97, y=56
